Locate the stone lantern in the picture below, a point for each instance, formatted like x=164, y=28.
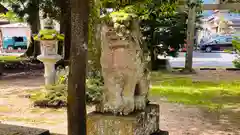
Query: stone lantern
x=49, y=38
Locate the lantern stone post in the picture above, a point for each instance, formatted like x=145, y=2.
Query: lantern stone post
x=48, y=38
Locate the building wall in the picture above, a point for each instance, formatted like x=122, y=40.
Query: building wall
x=10, y=32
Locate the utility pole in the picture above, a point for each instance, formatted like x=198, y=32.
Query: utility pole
x=76, y=108
x=190, y=36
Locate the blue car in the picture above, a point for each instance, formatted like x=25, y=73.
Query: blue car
x=217, y=44
x=12, y=43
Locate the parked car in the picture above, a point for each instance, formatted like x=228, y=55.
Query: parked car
x=217, y=44
x=12, y=43
x=184, y=48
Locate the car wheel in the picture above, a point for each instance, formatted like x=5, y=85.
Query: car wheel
x=10, y=48
x=208, y=49
x=19, y=48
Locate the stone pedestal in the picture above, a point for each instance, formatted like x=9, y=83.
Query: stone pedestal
x=20, y=130
x=49, y=67
x=138, y=123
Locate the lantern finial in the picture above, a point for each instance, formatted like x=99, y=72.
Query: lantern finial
x=48, y=23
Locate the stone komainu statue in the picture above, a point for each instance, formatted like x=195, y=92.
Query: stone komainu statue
x=124, y=68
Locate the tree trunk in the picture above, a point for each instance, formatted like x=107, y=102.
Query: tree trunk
x=152, y=53
x=34, y=47
x=1, y=68
x=65, y=24
x=78, y=61
x=153, y=58
x=190, y=38
x=35, y=27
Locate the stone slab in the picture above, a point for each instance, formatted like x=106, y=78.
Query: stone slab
x=138, y=123
x=1, y=68
x=20, y=130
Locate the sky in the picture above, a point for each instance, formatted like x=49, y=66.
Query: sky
x=209, y=13
x=209, y=1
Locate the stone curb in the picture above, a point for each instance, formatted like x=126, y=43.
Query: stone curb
x=228, y=69
x=6, y=129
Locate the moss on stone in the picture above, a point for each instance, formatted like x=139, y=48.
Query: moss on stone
x=121, y=21
x=121, y=16
x=49, y=34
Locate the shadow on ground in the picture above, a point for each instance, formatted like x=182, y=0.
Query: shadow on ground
x=180, y=119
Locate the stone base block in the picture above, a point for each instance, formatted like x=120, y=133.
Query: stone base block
x=19, y=130
x=144, y=122
x=160, y=132
x=1, y=68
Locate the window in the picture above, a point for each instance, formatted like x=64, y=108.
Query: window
x=222, y=40
x=18, y=39
x=229, y=40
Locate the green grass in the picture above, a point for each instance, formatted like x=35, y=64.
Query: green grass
x=214, y=95
x=10, y=58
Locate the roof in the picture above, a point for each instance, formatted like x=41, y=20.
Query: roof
x=15, y=25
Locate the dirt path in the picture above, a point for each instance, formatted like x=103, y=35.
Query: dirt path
x=177, y=119
x=17, y=109
x=188, y=120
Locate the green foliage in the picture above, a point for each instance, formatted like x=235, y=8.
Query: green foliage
x=94, y=32
x=121, y=16
x=52, y=9
x=94, y=90
x=26, y=9
x=10, y=59
x=122, y=22
x=117, y=4
x=56, y=96
x=161, y=24
x=197, y=4
x=236, y=45
x=12, y=17
x=236, y=62
x=227, y=51
x=163, y=28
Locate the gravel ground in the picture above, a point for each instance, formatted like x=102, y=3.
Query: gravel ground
x=189, y=120
x=176, y=118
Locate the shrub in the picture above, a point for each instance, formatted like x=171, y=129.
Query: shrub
x=228, y=51
x=236, y=62
x=53, y=96
x=56, y=96
x=94, y=90
x=236, y=45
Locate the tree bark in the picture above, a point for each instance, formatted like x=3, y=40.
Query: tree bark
x=152, y=53
x=65, y=24
x=78, y=61
x=190, y=38
x=35, y=27
x=1, y=68
x=34, y=47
